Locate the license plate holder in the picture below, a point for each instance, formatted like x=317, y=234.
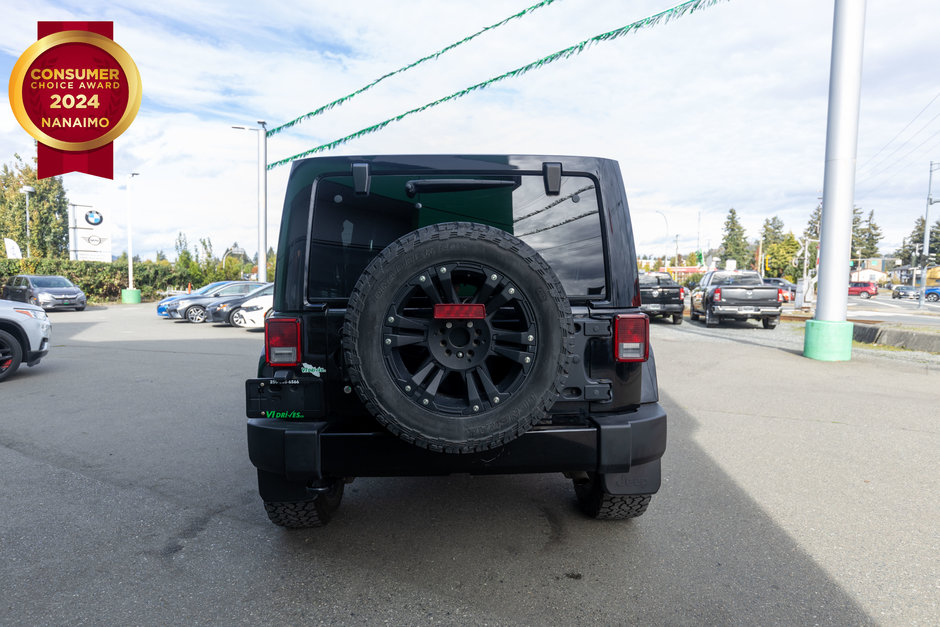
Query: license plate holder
x=299, y=398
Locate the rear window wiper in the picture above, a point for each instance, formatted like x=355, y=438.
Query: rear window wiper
x=414, y=187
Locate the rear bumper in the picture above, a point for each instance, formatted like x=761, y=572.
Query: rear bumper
x=745, y=311
x=310, y=451
x=669, y=308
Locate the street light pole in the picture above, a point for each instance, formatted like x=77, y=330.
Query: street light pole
x=262, y=196
x=27, y=190
x=130, y=234
x=930, y=201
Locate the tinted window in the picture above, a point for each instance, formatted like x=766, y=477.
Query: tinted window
x=348, y=230
x=51, y=281
x=651, y=280
x=736, y=279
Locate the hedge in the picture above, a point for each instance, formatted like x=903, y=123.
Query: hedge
x=104, y=281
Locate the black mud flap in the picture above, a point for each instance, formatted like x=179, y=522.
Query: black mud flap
x=287, y=399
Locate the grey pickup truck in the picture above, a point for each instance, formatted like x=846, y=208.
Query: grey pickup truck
x=737, y=295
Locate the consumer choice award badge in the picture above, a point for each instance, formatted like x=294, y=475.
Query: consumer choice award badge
x=75, y=91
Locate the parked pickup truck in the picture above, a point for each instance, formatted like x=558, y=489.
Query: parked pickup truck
x=738, y=295
x=660, y=295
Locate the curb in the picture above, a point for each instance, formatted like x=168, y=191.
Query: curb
x=911, y=340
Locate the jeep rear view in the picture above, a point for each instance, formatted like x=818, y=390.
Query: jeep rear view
x=455, y=314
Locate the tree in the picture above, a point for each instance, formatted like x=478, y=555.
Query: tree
x=734, y=243
x=911, y=252
x=772, y=232
x=48, y=211
x=858, y=238
x=870, y=236
x=812, y=232
x=780, y=256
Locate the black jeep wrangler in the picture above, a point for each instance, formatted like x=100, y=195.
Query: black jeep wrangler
x=455, y=314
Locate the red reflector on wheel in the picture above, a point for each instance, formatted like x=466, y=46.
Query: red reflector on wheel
x=632, y=337
x=443, y=311
x=282, y=341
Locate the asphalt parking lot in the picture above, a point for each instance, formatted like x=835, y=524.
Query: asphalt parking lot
x=794, y=492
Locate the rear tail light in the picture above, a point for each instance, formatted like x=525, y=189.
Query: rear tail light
x=631, y=337
x=282, y=341
x=682, y=293
x=717, y=295
x=779, y=295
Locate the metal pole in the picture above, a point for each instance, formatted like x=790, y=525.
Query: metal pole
x=841, y=149
x=828, y=336
x=263, y=202
x=28, y=254
x=130, y=234
x=923, y=274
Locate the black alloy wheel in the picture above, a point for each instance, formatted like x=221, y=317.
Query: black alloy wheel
x=11, y=354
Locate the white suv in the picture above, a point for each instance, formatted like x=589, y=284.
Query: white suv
x=25, y=333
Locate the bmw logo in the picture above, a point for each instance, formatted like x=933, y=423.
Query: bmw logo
x=93, y=218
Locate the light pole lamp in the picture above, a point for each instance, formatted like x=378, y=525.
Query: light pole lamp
x=130, y=235
x=923, y=275
x=237, y=250
x=262, y=131
x=27, y=190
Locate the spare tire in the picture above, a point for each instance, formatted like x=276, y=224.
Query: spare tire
x=469, y=377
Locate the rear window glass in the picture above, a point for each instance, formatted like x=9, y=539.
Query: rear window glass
x=736, y=279
x=348, y=230
x=651, y=280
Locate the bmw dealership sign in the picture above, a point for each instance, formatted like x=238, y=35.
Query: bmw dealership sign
x=89, y=235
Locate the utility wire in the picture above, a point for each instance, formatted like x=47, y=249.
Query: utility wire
x=653, y=20
x=339, y=101
x=914, y=119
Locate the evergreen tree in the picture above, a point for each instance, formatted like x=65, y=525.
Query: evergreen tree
x=772, y=232
x=734, y=244
x=911, y=253
x=871, y=235
x=812, y=232
x=48, y=211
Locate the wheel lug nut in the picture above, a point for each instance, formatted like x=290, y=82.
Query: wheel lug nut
x=388, y=341
x=469, y=325
x=528, y=360
x=493, y=277
x=460, y=355
x=512, y=290
x=422, y=278
x=449, y=325
x=443, y=270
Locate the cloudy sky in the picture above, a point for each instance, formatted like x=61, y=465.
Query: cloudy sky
x=722, y=108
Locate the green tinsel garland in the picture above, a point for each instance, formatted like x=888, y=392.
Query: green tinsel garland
x=653, y=20
x=339, y=101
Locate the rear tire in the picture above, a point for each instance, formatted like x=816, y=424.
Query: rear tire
x=601, y=505
x=865, y=295
x=770, y=323
x=314, y=512
x=693, y=316
x=932, y=297
x=11, y=355
x=449, y=384
x=677, y=318
x=711, y=320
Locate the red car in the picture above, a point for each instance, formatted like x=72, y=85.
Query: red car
x=863, y=289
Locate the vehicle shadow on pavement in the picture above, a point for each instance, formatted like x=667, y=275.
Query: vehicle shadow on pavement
x=518, y=549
